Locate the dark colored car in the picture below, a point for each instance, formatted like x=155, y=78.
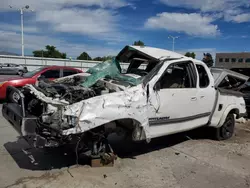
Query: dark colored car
x=12, y=69
x=50, y=72
x=246, y=94
x=246, y=89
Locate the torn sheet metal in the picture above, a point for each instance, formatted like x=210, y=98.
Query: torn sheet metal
x=103, y=109
x=220, y=74
x=42, y=97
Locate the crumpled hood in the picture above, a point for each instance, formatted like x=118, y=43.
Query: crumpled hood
x=99, y=110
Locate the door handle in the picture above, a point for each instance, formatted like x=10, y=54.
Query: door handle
x=193, y=98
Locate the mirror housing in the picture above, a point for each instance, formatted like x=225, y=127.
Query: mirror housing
x=157, y=86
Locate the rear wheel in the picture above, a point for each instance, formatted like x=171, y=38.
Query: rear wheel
x=226, y=131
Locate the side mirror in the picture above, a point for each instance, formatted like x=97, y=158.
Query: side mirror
x=157, y=86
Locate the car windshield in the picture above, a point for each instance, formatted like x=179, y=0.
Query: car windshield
x=32, y=73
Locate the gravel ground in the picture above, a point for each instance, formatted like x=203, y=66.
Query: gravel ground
x=182, y=160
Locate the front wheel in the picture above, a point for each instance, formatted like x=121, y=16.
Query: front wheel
x=226, y=131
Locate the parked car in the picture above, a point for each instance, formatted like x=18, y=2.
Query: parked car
x=12, y=69
x=161, y=93
x=48, y=72
x=246, y=88
x=246, y=94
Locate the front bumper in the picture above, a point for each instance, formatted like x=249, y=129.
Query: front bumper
x=14, y=111
x=23, y=122
x=26, y=124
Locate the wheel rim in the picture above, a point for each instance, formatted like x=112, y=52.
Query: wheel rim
x=227, y=129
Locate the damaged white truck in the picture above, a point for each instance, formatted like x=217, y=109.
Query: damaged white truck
x=161, y=93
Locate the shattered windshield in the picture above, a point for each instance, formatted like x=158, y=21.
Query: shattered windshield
x=108, y=69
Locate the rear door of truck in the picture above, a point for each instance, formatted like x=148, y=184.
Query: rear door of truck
x=206, y=91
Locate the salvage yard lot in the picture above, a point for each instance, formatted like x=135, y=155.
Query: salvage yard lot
x=182, y=160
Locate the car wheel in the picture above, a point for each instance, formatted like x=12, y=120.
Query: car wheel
x=20, y=73
x=226, y=131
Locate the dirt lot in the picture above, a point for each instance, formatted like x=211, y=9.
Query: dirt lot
x=183, y=160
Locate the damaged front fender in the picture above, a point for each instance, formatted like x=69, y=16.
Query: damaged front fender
x=100, y=110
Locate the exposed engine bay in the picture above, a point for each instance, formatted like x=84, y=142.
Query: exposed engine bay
x=48, y=97
x=53, y=110
x=47, y=100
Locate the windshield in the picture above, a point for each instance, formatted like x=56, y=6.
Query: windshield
x=152, y=73
x=32, y=73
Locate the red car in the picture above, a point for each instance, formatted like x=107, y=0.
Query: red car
x=50, y=72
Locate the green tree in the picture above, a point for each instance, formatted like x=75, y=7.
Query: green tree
x=190, y=54
x=139, y=43
x=49, y=52
x=104, y=58
x=98, y=59
x=84, y=56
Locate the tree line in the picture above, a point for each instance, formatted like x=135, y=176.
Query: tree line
x=52, y=52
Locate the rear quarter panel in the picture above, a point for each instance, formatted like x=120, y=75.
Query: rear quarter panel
x=225, y=104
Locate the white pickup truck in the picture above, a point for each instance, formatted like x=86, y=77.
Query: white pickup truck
x=161, y=93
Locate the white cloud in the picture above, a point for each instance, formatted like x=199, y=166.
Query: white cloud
x=17, y=28
x=91, y=18
x=99, y=23
x=226, y=8
x=59, y=4
x=191, y=24
x=238, y=18
x=11, y=41
x=207, y=5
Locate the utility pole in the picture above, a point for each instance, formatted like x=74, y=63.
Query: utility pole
x=21, y=12
x=171, y=37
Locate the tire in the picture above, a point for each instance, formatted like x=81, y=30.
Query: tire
x=226, y=131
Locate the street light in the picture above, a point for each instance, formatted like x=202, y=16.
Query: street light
x=21, y=12
x=173, y=40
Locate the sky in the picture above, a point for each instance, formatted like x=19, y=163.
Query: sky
x=104, y=27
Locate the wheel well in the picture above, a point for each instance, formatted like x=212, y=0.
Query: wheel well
x=127, y=123
x=236, y=112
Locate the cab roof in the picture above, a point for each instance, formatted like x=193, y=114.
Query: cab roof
x=157, y=53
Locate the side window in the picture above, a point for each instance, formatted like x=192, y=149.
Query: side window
x=178, y=75
x=203, y=77
x=51, y=73
x=68, y=72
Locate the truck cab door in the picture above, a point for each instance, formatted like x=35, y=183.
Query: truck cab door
x=174, y=104
x=207, y=94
